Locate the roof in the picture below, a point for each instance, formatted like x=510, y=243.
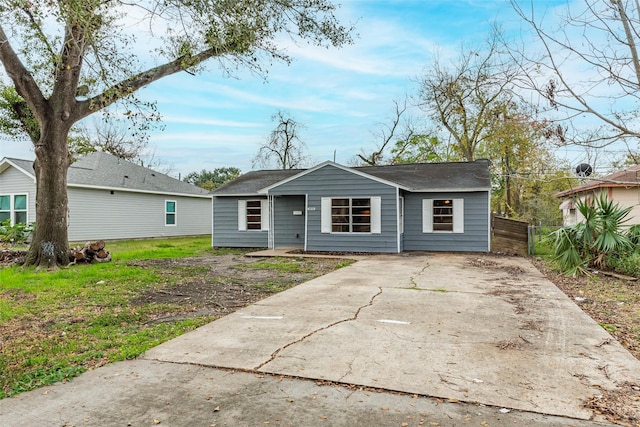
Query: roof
x=103, y=170
x=251, y=182
x=629, y=177
x=458, y=176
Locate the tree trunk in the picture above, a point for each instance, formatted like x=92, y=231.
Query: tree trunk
x=50, y=244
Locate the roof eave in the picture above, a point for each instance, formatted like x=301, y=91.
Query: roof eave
x=240, y=195
x=135, y=190
x=446, y=190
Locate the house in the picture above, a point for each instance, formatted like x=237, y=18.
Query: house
x=111, y=198
x=622, y=187
x=330, y=207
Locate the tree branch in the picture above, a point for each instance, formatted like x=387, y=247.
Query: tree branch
x=22, y=79
x=132, y=84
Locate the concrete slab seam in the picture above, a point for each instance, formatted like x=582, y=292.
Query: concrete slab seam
x=361, y=387
x=349, y=319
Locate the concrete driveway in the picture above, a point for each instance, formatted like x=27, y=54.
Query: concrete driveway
x=446, y=339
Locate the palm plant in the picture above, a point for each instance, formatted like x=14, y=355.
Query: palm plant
x=587, y=244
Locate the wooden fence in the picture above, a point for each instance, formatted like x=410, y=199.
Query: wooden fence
x=509, y=236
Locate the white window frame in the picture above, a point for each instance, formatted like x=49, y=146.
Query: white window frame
x=174, y=213
x=264, y=215
x=458, y=216
x=326, y=226
x=12, y=208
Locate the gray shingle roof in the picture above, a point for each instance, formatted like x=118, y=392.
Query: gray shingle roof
x=434, y=176
x=413, y=177
x=107, y=171
x=250, y=182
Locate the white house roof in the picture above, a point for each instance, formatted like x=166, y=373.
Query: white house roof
x=103, y=170
x=417, y=177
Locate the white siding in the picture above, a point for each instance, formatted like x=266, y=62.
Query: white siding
x=629, y=197
x=99, y=214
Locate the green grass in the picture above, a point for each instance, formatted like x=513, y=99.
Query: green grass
x=59, y=324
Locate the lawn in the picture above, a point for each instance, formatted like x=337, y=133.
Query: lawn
x=56, y=325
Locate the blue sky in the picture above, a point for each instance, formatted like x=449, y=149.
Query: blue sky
x=342, y=97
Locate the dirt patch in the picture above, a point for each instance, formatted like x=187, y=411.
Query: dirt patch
x=513, y=270
x=517, y=343
x=617, y=405
x=218, y=285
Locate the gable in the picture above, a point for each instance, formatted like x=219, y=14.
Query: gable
x=328, y=176
x=25, y=167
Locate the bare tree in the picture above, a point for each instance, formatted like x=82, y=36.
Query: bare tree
x=586, y=65
x=110, y=137
x=401, y=128
x=69, y=59
x=284, y=148
x=467, y=99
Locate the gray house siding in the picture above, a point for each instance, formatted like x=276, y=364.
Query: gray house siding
x=226, y=233
x=476, y=224
x=14, y=181
x=106, y=214
x=288, y=228
x=330, y=181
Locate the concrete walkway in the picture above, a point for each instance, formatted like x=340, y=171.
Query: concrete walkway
x=448, y=339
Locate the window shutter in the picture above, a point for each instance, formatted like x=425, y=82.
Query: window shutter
x=242, y=215
x=458, y=215
x=376, y=214
x=325, y=215
x=264, y=212
x=427, y=216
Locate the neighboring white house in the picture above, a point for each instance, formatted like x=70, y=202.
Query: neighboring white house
x=111, y=198
x=622, y=187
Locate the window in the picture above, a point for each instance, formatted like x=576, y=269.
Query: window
x=253, y=215
x=350, y=215
x=170, y=212
x=443, y=216
x=13, y=207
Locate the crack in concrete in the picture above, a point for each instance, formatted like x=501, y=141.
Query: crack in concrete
x=299, y=340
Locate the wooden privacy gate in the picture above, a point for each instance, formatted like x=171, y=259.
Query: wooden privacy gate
x=509, y=236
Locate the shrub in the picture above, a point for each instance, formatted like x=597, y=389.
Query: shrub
x=592, y=242
x=628, y=264
x=14, y=234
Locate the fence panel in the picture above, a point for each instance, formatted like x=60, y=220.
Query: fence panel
x=509, y=236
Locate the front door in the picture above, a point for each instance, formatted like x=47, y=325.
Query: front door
x=288, y=221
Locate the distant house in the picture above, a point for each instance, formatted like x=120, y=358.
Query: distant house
x=622, y=187
x=329, y=207
x=111, y=198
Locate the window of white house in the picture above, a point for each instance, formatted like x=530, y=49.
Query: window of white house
x=350, y=215
x=443, y=215
x=13, y=207
x=170, y=212
x=253, y=215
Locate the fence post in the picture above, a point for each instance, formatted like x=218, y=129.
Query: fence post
x=531, y=239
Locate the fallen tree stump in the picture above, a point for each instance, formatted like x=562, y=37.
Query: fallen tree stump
x=90, y=252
